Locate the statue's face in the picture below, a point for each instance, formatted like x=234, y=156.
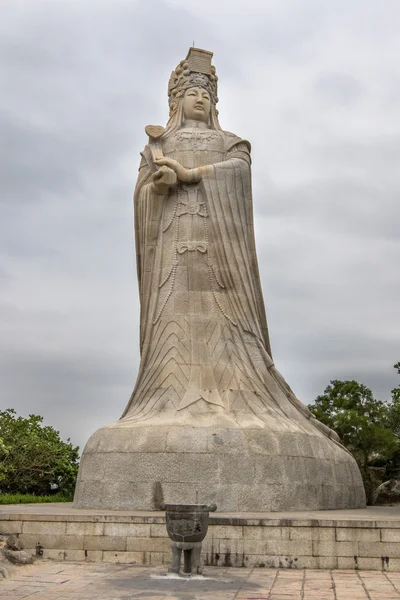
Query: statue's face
x=196, y=104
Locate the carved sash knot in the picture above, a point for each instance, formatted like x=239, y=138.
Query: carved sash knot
x=191, y=247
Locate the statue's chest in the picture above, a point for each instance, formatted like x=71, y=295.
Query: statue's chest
x=195, y=147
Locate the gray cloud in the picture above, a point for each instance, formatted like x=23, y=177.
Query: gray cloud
x=314, y=86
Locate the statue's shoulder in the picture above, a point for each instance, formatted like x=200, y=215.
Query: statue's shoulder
x=232, y=140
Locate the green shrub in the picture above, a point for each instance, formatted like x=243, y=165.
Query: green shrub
x=33, y=457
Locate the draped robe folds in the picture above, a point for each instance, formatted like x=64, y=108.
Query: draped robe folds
x=205, y=351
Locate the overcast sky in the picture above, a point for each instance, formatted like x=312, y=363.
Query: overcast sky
x=314, y=85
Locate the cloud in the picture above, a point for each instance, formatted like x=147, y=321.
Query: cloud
x=314, y=86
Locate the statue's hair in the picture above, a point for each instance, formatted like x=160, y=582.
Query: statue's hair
x=177, y=119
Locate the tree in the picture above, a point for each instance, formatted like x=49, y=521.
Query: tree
x=33, y=456
x=393, y=464
x=363, y=423
x=396, y=391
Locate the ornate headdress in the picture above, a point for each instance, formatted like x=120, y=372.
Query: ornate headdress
x=195, y=71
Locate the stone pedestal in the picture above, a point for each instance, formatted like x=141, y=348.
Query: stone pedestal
x=133, y=467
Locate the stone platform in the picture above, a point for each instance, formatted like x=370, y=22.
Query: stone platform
x=340, y=539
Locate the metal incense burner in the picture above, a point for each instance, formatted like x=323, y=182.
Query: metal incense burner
x=187, y=526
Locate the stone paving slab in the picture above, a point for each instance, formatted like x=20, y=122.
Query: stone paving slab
x=48, y=580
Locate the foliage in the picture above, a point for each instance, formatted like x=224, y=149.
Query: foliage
x=33, y=456
x=393, y=465
x=364, y=424
x=396, y=403
x=32, y=499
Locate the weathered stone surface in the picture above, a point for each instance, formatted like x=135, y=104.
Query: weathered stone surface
x=11, y=551
x=85, y=528
x=137, y=544
x=141, y=558
x=30, y=540
x=9, y=527
x=18, y=557
x=3, y=572
x=210, y=419
x=73, y=555
x=44, y=528
x=263, y=533
x=348, y=539
x=349, y=534
x=390, y=535
x=372, y=549
x=242, y=479
x=335, y=548
x=13, y=542
x=102, y=542
x=387, y=493
x=128, y=529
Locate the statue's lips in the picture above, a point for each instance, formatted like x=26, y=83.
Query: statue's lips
x=199, y=107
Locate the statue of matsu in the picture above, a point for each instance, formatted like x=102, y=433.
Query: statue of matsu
x=210, y=419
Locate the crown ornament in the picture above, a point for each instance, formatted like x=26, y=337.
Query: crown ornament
x=195, y=70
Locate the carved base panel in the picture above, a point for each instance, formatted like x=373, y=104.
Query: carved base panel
x=132, y=467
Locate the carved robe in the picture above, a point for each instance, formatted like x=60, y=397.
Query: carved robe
x=205, y=351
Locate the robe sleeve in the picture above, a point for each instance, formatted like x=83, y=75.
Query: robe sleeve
x=147, y=218
x=237, y=148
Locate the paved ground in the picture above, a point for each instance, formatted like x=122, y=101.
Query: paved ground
x=98, y=581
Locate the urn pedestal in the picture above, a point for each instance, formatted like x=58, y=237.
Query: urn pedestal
x=187, y=526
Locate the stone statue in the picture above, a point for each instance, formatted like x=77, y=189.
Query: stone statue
x=211, y=419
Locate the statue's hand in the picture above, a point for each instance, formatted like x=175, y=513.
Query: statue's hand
x=163, y=179
x=184, y=175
